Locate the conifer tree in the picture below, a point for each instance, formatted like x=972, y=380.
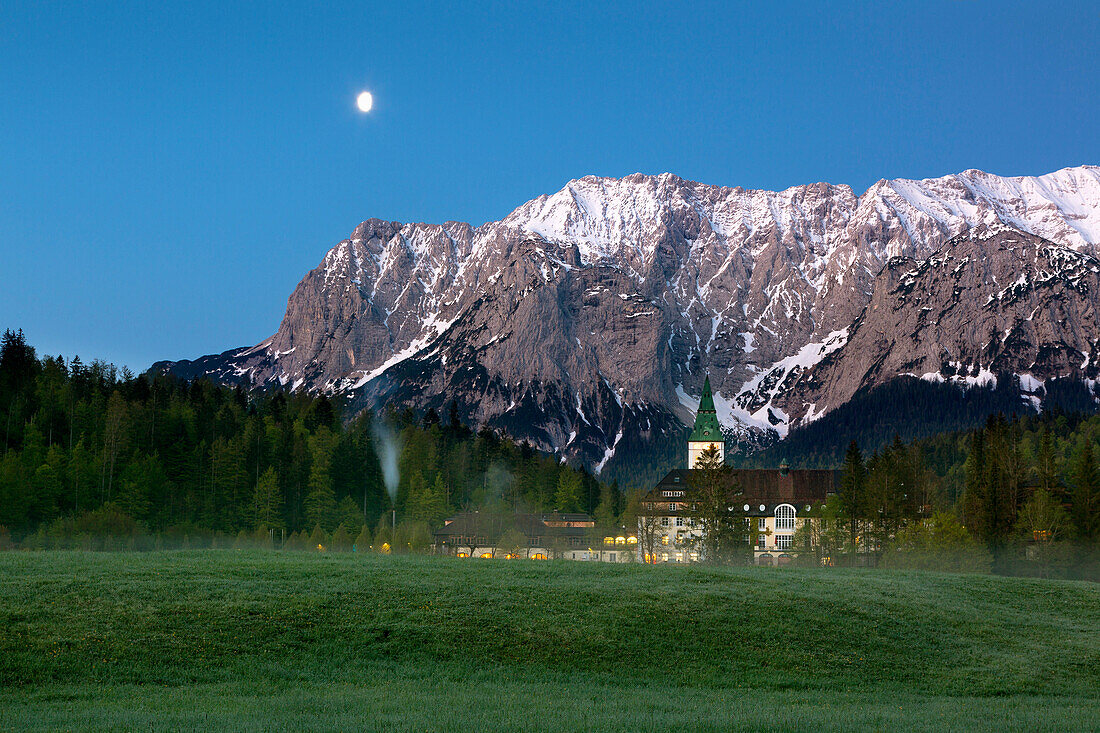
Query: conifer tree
x=605, y=511
x=724, y=533
x=318, y=540
x=363, y=541
x=1046, y=466
x=267, y=501
x=341, y=540
x=320, y=501
x=567, y=498
x=426, y=503
x=853, y=495
x=990, y=495
x=350, y=516
x=1086, y=491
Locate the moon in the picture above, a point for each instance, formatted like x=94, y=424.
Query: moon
x=364, y=101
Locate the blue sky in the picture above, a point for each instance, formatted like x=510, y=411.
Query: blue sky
x=168, y=174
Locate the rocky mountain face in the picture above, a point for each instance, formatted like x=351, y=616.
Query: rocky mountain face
x=586, y=320
x=992, y=302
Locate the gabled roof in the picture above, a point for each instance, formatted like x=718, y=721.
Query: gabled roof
x=493, y=526
x=756, y=486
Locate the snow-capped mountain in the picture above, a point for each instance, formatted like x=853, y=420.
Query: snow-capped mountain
x=593, y=313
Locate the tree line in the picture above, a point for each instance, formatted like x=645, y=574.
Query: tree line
x=91, y=453
x=1013, y=496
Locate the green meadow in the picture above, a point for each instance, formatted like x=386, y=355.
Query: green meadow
x=235, y=640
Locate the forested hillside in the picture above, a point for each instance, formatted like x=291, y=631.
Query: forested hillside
x=1013, y=496
x=912, y=408
x=89, y=450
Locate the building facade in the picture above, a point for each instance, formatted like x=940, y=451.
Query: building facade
x=774, y=502
x=533, y=537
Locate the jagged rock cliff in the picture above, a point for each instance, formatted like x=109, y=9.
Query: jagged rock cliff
x=594, y=313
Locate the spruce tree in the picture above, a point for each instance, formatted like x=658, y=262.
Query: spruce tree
x=426, y=503
x=341, y=540
x=318, y=540
x=990, y=496
x=1046, y=465
x=605, y=511
x=567, y=498
x=1086, y=491
x=719, y=517
x=268, y=501
x=320, y=503
x=363, y=541
x=853, y=495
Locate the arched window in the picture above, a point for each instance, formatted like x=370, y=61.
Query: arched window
x=784, y=517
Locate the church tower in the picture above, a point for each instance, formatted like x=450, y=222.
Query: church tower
x=707, y=430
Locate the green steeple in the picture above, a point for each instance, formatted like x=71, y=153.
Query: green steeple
x=707, y=428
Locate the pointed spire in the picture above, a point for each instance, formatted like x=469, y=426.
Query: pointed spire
x=706, y=402
x=707, y=428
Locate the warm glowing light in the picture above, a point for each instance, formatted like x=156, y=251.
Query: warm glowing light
x=364, y=101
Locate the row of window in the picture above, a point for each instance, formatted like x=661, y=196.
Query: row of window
x=675, y=557
x=680, y=521
x=784, y=513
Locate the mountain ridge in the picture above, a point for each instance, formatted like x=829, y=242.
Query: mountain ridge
x=598, y=309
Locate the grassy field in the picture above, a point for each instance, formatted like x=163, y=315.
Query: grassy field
x=288, y=641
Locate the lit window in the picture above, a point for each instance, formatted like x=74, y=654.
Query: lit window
x=620, y=540
x=609, y=540
x=784, y=517
x=632, y=540
x=664, y=539
x=664, y=557
x=783, y=542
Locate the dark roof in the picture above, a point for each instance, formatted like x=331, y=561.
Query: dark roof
x=565, y=517
x=767, y=486
x=493, y=526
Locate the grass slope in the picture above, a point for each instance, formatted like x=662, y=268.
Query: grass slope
x=236, y=640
